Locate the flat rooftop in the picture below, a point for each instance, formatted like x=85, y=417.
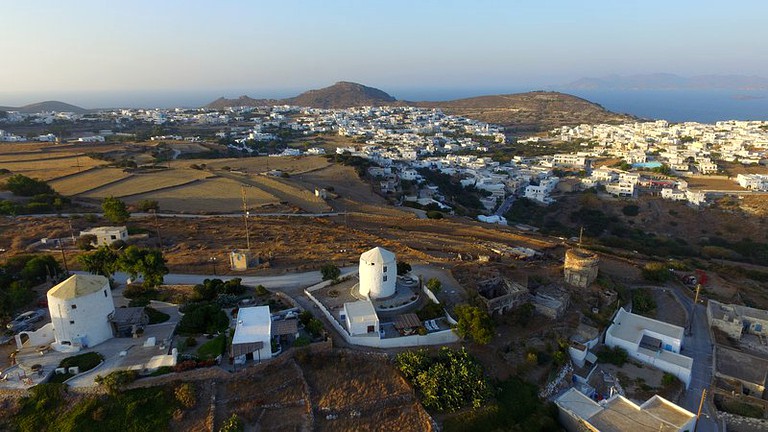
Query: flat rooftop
x=253, y=324
x=630, y=327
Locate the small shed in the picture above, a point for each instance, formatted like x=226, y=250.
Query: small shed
x=361, y=318
x=107, y=235
x=127, y=321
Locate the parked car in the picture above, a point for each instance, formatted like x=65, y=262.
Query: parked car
x=25, y=320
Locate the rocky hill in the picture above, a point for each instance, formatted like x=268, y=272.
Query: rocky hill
x=343, y=94
x=47, y=106
x=532, y=111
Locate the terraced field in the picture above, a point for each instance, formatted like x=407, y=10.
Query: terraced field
x=87, y=180
x=141, y=183
x=290, y=193
x=256, y=165
x=48, y=169
x=218, y=195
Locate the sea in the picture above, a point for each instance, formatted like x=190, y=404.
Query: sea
x=703, y=106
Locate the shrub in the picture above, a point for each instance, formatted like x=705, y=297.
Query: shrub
x=474, y=323
x=434, y=214
x=668, y=379
x=233, y=424
x=115, y=210
x=656, y=272
x=21, y=185
x=155, y=316
x=448, y=382
x=85, y=242
x=616, y=355
x=261, y=291
x=191, y=341
x=631, y=210
x=330, y=272
x=434, y=285
x=403, y=268
x=643, y=302
x=185, y=394
x=146, y=205
x=115, y=381
x=203, y=318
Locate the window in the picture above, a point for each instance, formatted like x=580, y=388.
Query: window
x=71, y=322
x=105, y=293
x=385, y=269
x=113, y=237
x=385, y=278
x=74, y=306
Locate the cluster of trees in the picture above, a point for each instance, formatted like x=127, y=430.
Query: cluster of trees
x=465, y=197
x=148, y=263
x=115, y=210
x=474, y=323
x=313, y=325
x=447, y=382
x=643, y=302
x=210, y=289
x=360, y=165
x=42, y=198
x=203, y=318
x=20, y=274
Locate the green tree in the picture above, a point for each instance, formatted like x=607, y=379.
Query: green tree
x=434, y=285
x=21, y=185
x=115, y=210
x=330, y=272
x=115, y=381
x=103, y=261
x=85, y=242
x=474, y=323
x=147, y=262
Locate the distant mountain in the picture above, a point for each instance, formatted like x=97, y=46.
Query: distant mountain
x=47, y=106
x=523, y=111
x=343, y=94
x=223, y=102
x=532, y=111
x=664, y=81
x=340, y=95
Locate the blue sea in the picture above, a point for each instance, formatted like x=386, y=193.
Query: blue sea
x=705, y=106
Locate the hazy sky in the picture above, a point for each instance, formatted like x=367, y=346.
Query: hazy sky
x=114, y=52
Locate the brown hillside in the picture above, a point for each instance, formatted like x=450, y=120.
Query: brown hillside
x=342, y=95
x=530, y=111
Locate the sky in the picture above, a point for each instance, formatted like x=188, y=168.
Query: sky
x=173, y=52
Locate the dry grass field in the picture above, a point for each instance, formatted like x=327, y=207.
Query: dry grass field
x=290, y=193
x=212, y=195
x=713, y=183
x=256, y=165
x=140, y=183
x=87, y=180
x=47, y=169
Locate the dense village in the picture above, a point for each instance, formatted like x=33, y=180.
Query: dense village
x=384, y=305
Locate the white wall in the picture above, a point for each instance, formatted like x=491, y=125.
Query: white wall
x=88, y=324
x=437, y=338
x=372, y=276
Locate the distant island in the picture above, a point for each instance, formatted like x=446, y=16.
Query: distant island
x=665, y=81
x=538, y=110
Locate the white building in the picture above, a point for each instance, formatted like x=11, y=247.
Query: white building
x=107, y=235
x=652, y=342
x=81, y=308
x=361, y=318
x=253, y=335
x=570, y=160
x=753, y=181
x=619, y=414
x=378, y=273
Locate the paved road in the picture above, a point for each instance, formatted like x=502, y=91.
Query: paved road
x=698, y=345
x=194, y=216
x=505, y=206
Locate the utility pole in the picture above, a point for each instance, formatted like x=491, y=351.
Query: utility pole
x=157, y=228
x=581, y=235
x=71, y=231
x=701, y=405
x=63, y=256
x=245, y=217
x=693, y=309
